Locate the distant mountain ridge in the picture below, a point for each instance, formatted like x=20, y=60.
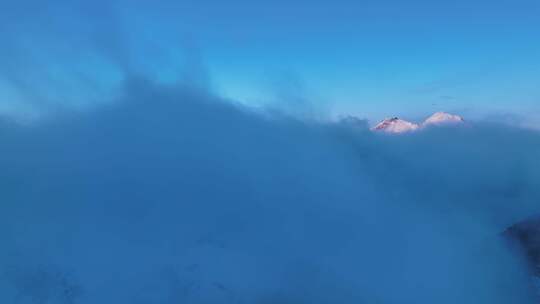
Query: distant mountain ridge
x=398, y=125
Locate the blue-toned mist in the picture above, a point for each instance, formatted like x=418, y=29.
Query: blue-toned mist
x=173, y=195
x=128, y=176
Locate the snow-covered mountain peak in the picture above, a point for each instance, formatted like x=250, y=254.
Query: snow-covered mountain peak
x=440, y=118
x=395, y=125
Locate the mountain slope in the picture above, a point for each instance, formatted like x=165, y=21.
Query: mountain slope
x=441, y=118
x=395, y=125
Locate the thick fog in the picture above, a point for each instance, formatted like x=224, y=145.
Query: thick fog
x=173, y=195
x=152, y=188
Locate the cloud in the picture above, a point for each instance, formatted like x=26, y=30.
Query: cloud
x=164, y=192
x=174, y=195
x=77, y=54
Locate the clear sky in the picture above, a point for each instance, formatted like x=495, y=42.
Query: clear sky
x=366, y=58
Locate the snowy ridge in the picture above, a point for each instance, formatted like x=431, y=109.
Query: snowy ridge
x=397, y=125
x=440, y=118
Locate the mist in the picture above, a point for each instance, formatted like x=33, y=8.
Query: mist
x=126, y=177
x=171, y=194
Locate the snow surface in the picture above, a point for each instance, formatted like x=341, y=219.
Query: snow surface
x=442, y=118
x=397, y=125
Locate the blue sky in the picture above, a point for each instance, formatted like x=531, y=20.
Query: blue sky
x=366, y=58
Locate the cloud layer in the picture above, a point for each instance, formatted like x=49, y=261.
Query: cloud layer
x=163, y=192
x=174, y=195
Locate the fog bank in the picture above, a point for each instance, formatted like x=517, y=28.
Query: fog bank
x=174, y=195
